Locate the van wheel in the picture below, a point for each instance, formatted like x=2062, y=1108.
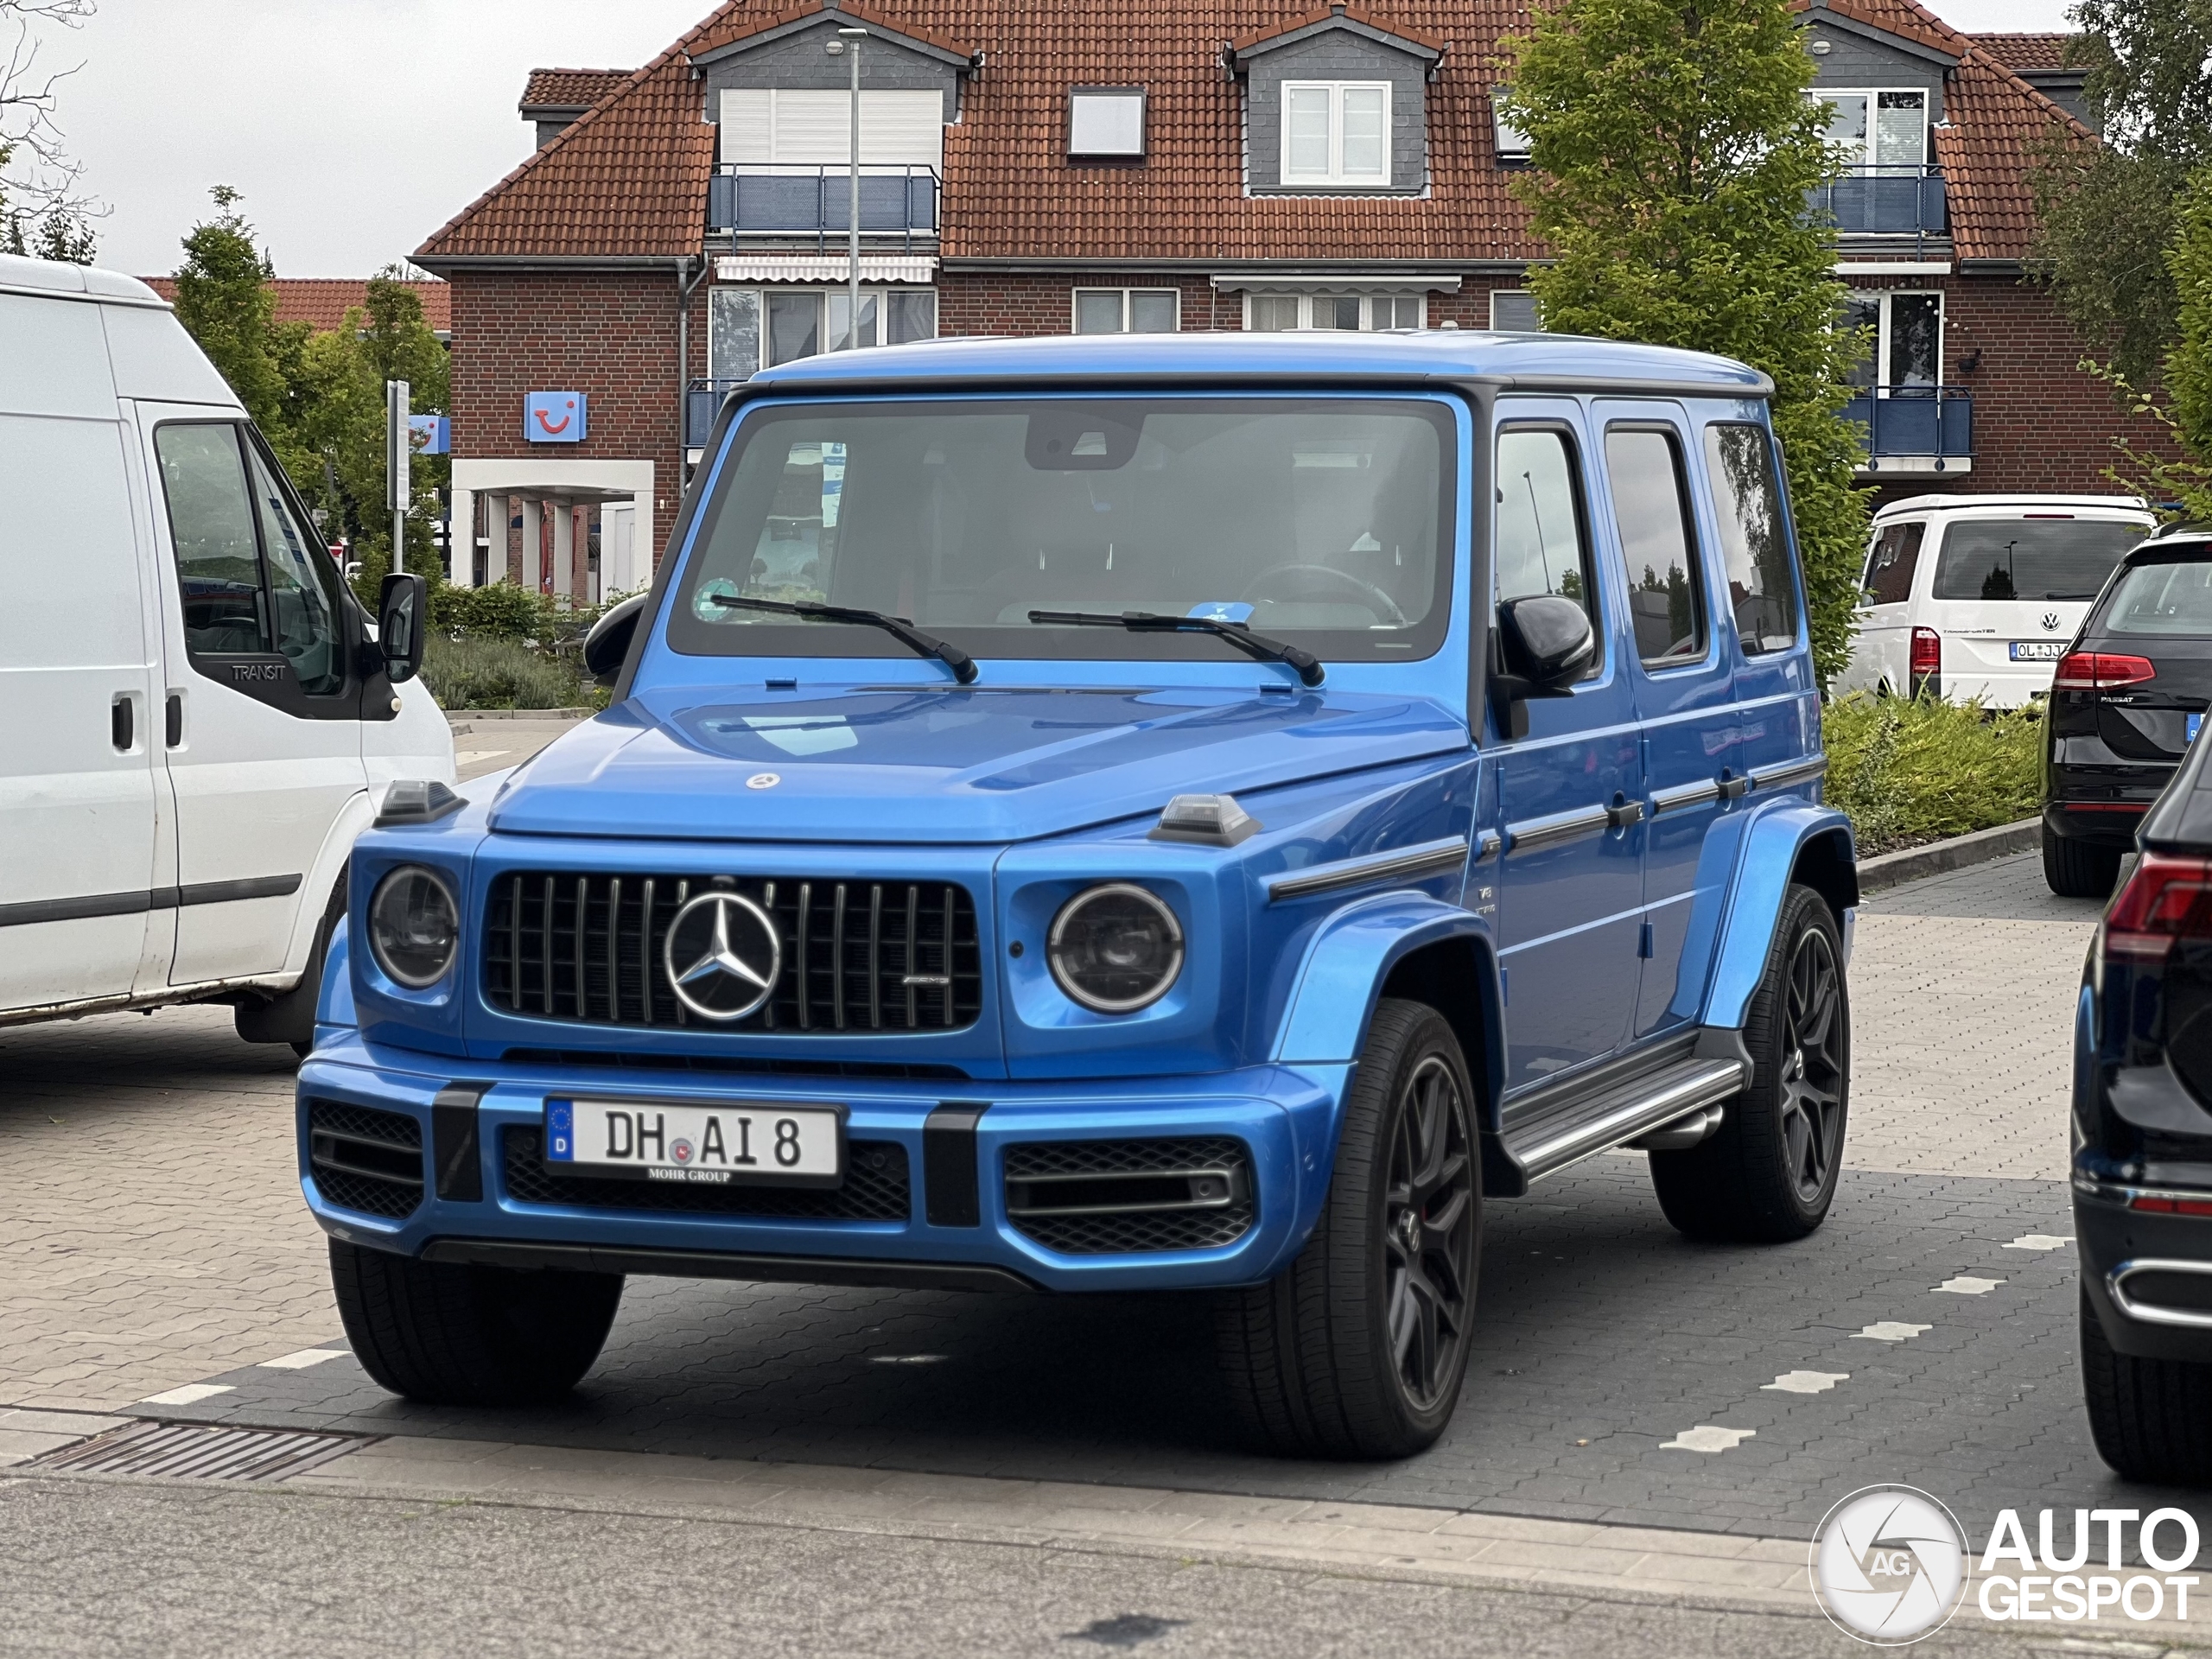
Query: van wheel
x=1769, y=1172
x=2076, y=869
x=1358, y=1348
x=289, y=1017
x=2151, y=1419
x=453, y=1334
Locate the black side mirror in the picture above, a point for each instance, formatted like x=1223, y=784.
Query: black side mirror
x=608, y=642
x=402, y=613
x=1547, y=641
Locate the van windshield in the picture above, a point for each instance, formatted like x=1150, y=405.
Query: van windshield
x=2031, y=558
x=1323, y=521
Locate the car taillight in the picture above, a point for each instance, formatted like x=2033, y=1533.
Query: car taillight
x=1927, y=652
x=2100, y=671
x=2166, y=1206
x=2166, y=898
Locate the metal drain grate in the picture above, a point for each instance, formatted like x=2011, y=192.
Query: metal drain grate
x=199, y=1452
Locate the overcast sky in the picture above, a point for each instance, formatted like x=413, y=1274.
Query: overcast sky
x=355, y=127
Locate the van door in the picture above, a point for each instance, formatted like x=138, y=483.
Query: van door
x=77, y=817
x=1684, y=685
x=262, y=706
x=1571, y=882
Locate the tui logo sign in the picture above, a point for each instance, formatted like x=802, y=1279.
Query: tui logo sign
x=555, y=417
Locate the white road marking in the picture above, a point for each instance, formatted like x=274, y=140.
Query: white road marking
x=190, y=1395
x=470, y=757
x=1890, y=1331
x=905, y=1359
x=2041, y=1242
x=1806, y=1382
x=1967, y=1285
x=303, y=1359
x=1707, y=1438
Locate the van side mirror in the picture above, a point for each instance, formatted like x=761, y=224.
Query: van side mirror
x=608, y=642
x=1542, y=645
x=402, y=613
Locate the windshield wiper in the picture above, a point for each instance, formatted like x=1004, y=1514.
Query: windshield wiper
x=922, y=644
x=1309, y=668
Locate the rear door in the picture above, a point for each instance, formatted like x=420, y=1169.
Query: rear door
x=78, y=818
x=2010, y=589
x=263, y=707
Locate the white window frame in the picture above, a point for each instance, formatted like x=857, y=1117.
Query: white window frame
x=1873, y=97
x=1494, y=294
x=1335, y=174
x=1106, y=98
x=1883, y=383
x=1367, y=304
x=879, y=292
x=1075, y=306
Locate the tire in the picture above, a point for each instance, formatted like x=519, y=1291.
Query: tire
x=1310, y=1360
x=451, y=1334
x=289, y=1017
x=2151, y=1419
x=2075, y=869
x=1768, y=1173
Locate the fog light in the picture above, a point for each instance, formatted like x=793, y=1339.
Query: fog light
x=1116, y=949
x=414, y=926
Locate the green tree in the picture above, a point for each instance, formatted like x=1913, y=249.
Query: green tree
x=1673, y=147
x=223, y=299
x=2108, y=210
x=2185, y=411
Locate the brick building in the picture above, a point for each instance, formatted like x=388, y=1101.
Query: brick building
x=1130, y=167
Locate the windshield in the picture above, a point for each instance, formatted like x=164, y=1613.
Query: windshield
x=2031, y=558
x=1321, y=522
x=2162, y=598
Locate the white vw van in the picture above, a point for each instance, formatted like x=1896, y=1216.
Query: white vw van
x=195, y=716
x=1976, y=595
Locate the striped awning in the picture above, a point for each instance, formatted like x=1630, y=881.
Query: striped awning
x=820, y=268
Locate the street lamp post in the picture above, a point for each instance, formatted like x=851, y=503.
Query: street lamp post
x=848, y=43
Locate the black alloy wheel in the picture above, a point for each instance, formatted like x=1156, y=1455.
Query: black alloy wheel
x=1429, y=1212
x=1812, y=1069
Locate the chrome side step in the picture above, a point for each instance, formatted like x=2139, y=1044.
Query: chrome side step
x=1548, y=1143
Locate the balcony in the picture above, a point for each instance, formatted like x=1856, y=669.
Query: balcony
x=788, y=203
x=1885, y=200
x=1914, y=430
x=702, y=401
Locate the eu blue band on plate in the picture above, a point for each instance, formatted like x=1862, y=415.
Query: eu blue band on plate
x=560, y=1131
x=2194, y=720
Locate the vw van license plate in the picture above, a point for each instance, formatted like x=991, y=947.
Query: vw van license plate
x=2038, y=650
x=743, y=1144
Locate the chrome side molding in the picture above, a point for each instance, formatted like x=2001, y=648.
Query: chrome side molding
x=1530, y=834
x=1400, y=864
x=1784, y=772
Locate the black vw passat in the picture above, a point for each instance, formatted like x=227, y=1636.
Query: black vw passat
x=2143, y=1149
x=2126, y=702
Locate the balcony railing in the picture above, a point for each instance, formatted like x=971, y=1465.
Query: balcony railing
x=1924, y=429
x=702, y=401
x=1885, y=200
x=788, y=201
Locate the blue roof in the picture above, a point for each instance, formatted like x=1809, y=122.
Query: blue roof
x=1447, y=354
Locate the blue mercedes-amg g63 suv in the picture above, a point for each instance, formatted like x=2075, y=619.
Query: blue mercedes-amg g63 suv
x=1203, y=812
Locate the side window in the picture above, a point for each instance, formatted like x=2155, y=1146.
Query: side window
x=1643, y=468
x=302, y=608
x=1747, y=500
x=211, y=522
x=1542, y=547
x=1888, y=572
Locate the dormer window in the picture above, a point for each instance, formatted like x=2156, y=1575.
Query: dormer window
x=1514, y=149
x=1106, y=124
x=1336, y=132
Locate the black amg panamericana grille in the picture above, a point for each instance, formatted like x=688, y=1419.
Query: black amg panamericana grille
x=1102, y=1198
x=875, y=1187
x=857, y=956
x=365, y=1160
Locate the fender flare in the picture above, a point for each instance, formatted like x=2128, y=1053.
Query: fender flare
x=1788, y=841
x=335, y=998
x=1351, y=961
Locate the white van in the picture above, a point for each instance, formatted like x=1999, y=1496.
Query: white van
x=1976, y=595
x=194, y=715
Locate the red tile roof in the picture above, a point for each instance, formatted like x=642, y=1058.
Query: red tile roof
x=322, y=302
x=1322, y=14
x=2025, y=54
x=628, y=179
x=569, y=89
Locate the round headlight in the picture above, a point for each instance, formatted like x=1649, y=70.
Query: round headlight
x=414, y=926
x=1117, y=948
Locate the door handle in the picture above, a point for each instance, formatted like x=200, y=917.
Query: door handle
x=121, y=727
x=1734, y=788
x=1624, y=812
x=173, y=720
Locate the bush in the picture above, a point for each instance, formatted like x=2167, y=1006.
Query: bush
x=501, y=610
x=1910, y=772
x=499, y=674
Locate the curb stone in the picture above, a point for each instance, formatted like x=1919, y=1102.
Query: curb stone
x=1938, y=857
x=461, y=717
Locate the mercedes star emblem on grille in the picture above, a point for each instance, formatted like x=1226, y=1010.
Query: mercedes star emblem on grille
x=722, y=955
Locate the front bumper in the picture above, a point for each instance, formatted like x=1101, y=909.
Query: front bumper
x=2148, y=1276
x=1284, y=1117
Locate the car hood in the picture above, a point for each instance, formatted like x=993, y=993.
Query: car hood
x=951, y=766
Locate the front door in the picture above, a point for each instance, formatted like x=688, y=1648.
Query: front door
x=264, y=706
x=1571, y=880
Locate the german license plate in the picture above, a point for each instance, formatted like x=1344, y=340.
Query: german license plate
x=741, y=1144
x=2038, y=650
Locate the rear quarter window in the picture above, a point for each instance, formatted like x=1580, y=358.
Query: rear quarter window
x=1754, y=535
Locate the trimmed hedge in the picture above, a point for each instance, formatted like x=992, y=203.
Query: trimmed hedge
x=1911, y=772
